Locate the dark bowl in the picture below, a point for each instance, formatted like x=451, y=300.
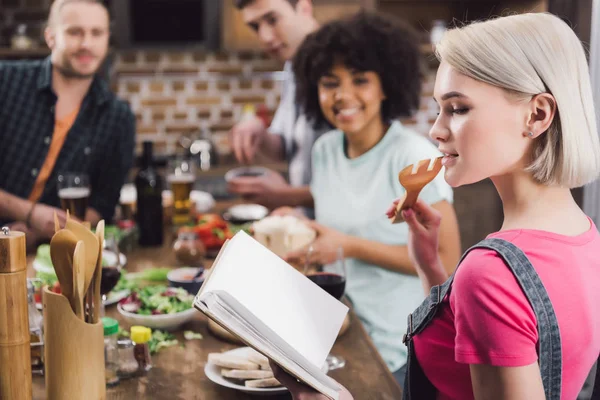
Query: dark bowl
x=181, y=277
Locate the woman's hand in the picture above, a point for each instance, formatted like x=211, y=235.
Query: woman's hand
x=424, y=229
x=300, y=391
x=324, y=248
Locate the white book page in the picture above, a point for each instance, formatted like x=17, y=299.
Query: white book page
x=291, y=305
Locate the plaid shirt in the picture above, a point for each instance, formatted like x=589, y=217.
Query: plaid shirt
x=100, y=143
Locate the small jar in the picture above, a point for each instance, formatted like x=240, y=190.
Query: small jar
x=189, y=249
x=141, y=336
x=111, y=355
x=128, y=365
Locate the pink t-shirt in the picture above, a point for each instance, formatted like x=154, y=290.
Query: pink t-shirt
x=489, y=320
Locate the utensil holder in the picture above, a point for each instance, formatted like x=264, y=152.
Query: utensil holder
x=74, y=352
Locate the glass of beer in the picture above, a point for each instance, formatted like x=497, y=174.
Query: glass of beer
x=74, y=193
x=181, y=178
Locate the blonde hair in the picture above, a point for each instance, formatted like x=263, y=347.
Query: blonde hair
x=526, y=55
x=57, y=5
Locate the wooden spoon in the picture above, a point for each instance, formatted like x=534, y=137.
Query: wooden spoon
x=62, y=248
x=91, y=249
x=79, y=278
x=56, y=223
x=96, y=296
x=414, y=180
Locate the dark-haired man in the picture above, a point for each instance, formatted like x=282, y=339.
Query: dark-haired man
x=281, y=26
x=57, y=116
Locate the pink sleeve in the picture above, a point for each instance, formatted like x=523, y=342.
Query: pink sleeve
x=494, y=322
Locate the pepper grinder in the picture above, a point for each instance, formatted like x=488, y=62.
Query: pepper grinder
x=15, y=351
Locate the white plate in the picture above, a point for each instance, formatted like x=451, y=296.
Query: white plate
x=108, y=255
x=214, y=374
x=115, y=297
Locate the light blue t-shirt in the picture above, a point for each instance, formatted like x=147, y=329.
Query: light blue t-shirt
x=351, y=196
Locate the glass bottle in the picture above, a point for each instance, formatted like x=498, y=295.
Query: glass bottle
x=36, y=335
x=189, y=249
x=141, y=336
x=149, y=188
x=111, y=355
x=128, y=365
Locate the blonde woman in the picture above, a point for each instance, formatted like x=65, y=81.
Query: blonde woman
x=518, y=319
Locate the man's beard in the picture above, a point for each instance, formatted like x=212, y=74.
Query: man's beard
x=67, y=70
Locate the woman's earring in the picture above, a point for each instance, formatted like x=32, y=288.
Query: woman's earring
x=530, y=134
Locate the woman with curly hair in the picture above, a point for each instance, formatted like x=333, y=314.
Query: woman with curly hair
x=360, y=75
x=518, y=319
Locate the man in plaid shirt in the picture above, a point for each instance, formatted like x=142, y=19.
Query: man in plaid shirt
x=58, y=116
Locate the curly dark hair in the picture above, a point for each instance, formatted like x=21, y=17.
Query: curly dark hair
x=240, y=4
x=366, y=41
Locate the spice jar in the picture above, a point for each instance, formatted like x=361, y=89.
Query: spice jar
x=128, y=365
x=141, y=336
x=111, y=355
x=36, y=336
x=189, y=249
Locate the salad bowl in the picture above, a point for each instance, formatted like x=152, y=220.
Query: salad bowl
x=158, y=307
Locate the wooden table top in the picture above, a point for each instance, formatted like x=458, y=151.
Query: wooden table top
x=178, y=372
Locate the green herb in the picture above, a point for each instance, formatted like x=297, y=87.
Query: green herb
x=235, y=228
x=45, y=279
x=190, y=335
x=160, y=340
x=122, y=332
x=218, y=233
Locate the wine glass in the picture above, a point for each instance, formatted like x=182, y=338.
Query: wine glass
x=332, y=279
x=110, y=273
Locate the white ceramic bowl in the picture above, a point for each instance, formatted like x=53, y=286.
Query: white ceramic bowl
x=242, y=213
x=245, y=171
x=204, y=201
x=167, y=322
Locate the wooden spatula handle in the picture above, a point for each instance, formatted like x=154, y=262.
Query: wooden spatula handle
x=410, y=198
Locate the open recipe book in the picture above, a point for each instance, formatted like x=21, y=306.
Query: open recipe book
x=274, y=309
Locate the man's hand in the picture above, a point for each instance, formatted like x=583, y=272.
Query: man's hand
x=42, y=220
x=268, y=190
x=300, y=391
x=246, y=139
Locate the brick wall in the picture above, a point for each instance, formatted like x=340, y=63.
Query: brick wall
x=175, y=92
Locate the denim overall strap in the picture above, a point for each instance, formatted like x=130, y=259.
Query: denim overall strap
x=596, y=391
x=549, y=350
x=416, y=384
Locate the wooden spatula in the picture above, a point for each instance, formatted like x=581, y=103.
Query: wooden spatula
x=56, y=223
x=62, y=248
x=96, y=296
x=79, y=278
x=414, y=180
x=91, y=249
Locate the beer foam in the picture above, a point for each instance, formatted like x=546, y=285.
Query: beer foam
x=181, y=178
x=74, y=193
